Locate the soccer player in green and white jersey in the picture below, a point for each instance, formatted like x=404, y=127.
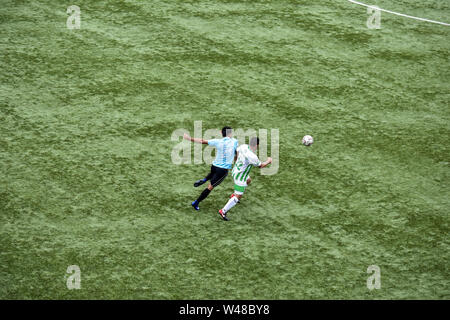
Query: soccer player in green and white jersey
x=246, y=160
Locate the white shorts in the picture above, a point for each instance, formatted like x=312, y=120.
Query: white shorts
x=239, y=186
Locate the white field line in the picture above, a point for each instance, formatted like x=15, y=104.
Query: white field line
x=399, y=14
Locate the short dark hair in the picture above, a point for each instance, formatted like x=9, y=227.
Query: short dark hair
x=254, y=141
x=225, y=131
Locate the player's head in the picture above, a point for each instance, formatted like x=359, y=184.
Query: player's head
x=254, y=143
x=227, y=132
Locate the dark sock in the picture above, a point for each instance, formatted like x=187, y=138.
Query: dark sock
x=203, y=195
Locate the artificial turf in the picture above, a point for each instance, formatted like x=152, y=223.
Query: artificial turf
x=87, y=178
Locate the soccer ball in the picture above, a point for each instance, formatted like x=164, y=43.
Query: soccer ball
x=307, y=140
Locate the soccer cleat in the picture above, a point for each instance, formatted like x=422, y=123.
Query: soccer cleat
x=199, y=182
x=223, y=215
x=195, y=205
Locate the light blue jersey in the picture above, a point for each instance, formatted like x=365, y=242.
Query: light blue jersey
x=226, y=148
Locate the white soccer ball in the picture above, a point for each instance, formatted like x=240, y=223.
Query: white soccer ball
x=307, y=140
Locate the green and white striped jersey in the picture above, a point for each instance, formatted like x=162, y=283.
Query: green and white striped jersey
x=244, y=163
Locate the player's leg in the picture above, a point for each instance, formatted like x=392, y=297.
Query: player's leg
x=249, y=180
x=219, y=174
x=205, y=192
x=239, y=188
x=202, y=181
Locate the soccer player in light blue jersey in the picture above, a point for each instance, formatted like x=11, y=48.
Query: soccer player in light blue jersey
x=225, y=154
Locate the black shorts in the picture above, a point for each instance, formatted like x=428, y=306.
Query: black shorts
x=217, y=175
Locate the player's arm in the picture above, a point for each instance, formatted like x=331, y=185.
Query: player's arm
x=198, y=140
x=266, y=163
x=236, y=155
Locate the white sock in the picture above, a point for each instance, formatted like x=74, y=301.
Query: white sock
x=230, y=204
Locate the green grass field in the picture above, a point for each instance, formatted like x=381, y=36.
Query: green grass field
x=86, y=176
